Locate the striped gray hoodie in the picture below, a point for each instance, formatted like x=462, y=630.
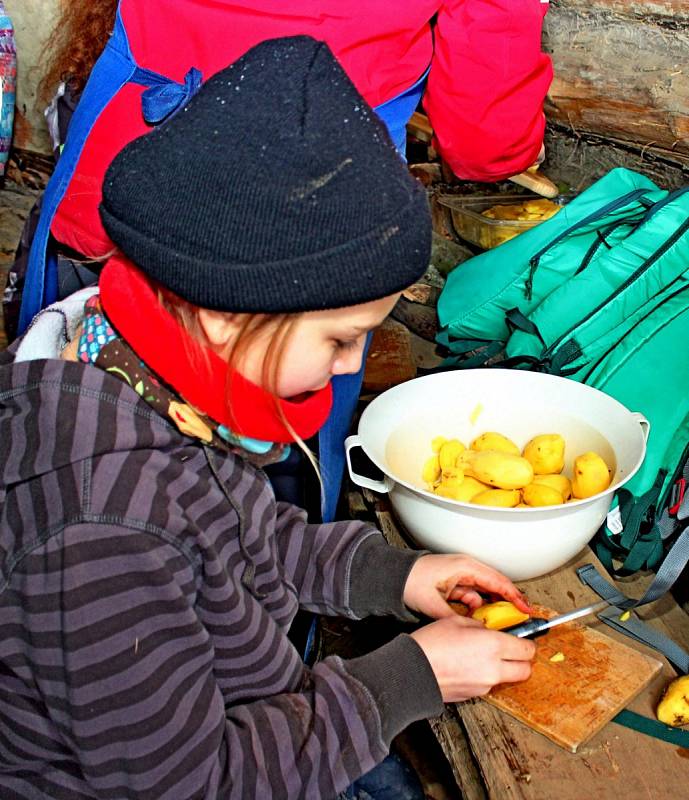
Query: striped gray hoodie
x=147, y=585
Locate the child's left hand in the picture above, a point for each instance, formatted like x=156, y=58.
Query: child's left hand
x=436, y=579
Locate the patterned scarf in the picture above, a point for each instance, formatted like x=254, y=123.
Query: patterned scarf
x=100, y=345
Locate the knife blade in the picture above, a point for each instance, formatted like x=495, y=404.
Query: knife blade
x=539, y=625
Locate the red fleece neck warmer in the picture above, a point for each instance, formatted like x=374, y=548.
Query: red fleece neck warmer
x=204, y=381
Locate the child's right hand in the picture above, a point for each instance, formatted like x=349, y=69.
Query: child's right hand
x=468, y=660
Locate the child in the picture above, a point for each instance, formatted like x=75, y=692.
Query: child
x=477, y=63
x=149, y=576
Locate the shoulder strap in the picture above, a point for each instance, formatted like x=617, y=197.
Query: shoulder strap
x=669, y=571
x=114, y=68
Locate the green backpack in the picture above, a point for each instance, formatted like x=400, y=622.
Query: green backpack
x=598, y=293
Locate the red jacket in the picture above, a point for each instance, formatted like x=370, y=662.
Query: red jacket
x=484, y=96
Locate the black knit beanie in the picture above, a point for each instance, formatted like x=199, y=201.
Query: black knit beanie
x=276, y=189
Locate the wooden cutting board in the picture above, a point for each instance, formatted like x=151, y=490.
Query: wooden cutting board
x=569, y=701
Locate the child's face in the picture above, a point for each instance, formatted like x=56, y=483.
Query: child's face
x=328, y=343
x=319, y=345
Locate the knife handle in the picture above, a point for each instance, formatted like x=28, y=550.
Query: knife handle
x=528, y=630
x=536, y=183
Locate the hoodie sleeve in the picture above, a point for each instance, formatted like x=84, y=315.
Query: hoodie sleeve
x=487, y=84
x=129, y=668
x=344, y=568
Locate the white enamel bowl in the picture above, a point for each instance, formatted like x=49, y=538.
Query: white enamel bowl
x=396, y=429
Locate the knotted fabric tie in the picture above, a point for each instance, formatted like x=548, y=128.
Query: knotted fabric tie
x=164, y=97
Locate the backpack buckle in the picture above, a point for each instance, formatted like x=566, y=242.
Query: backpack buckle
x=677, y=495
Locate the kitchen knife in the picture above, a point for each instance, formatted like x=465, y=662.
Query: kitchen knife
x=538, y=625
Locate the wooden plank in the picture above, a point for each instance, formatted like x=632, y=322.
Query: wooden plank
x=511, y=762
x=452, y=739
x=420, y=127
x=620, y=73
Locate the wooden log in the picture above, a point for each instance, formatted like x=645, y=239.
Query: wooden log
x=669, y=11
x=390, y=360
x=620, y=72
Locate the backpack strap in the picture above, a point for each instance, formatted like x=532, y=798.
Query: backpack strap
x=669, y=571
x=651, y=727
x=630, y=197
x=637, y=550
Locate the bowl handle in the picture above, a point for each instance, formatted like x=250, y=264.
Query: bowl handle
x=382, y=487
x=645, y=424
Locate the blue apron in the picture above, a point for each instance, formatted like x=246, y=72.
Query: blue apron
x=115, y=68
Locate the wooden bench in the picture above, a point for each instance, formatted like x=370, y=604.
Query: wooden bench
x=495, y=757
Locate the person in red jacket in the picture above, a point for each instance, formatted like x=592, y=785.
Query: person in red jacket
x=477, y=63
x=481, y=62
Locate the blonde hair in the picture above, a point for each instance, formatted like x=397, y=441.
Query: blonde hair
x=186, y=314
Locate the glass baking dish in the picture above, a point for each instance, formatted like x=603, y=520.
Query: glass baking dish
x=472, y=225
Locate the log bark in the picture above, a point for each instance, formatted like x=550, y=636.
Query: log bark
x=621, y=72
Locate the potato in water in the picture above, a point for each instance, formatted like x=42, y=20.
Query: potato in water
x=493, y=471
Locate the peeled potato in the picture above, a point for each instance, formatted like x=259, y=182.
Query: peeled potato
x=504, y=498
x=591, y=475
x=437, y=443
x=673, y=708
x=561, y=483
x=431, y=470
x=499, y=615
x=501, y=470
x=463, y=492
x=494, y=441
x=449, y=452
x=538, y=494
x=546, y=453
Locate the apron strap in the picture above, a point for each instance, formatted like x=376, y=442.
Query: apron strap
x=114, y=68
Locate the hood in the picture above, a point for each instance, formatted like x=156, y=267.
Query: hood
x=54, y=413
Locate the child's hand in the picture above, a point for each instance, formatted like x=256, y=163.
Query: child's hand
x=435, y=579
x=469, y=660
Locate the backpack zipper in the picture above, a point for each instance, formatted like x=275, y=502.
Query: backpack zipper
x=611, y=206
x=634, y=276
x=671, y=196
x=600, y=240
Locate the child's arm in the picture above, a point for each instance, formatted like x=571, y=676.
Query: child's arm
x=487, y=85
x=343, y=568
x=159, y=693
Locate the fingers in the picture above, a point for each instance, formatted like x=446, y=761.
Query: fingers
x=470, y=597
x=515, y=671
x=512, y=648
x=468, y=622
x=489, y=580
x=520, y=600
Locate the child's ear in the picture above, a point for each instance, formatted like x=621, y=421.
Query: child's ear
x=219, y=327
